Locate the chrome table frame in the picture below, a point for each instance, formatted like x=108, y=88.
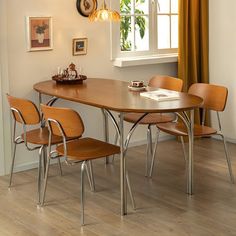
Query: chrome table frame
x=189, y=123
x=119, y=126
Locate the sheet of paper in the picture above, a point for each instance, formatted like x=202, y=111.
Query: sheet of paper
x=161, y=95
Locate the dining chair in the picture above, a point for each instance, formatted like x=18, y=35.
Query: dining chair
x=67, y=123
x=151, y=119
x=26, y=114
x=214, y=99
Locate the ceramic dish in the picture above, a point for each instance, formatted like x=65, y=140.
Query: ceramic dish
x=136, y=89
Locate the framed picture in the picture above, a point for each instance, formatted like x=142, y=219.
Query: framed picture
x=39, y=33
x=79, y=46
x=86, y=7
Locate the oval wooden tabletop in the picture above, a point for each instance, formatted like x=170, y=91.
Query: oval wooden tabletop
x=114, y=95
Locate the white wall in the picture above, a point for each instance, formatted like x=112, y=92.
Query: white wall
x=222, y=57
x=5, y=148
x=27, y=68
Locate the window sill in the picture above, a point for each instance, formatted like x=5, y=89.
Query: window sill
x=145, y=60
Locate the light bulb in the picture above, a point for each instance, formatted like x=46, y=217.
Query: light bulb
x=104, y=15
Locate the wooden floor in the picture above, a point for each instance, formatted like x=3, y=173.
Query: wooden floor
x=163, y=208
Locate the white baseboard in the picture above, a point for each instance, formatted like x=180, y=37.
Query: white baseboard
x=230, y=140
x=144, y=141
x=32, y=165
x=29, y=166
x=26, y=166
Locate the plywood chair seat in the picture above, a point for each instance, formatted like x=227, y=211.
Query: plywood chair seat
x=87, y=149
x=179, y=129
x=151, y=118
x=40, y=136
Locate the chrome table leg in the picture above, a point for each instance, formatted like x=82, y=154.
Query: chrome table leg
x=122, y=168
x=130, y=191
x=183, y=147
x=12, y=165
x=149, y=149
x=45, y=182
x=190, y=155
x=106, y=131
x=82, y=192
x=154, y=153
x=40, y=173
x=59, y=166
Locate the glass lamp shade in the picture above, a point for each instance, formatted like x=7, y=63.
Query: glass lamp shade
x=104, y=14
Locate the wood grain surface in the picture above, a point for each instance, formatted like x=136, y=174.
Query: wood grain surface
x=114, y=95
x=163, y=208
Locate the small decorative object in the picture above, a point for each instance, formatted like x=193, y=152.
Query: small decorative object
x=69, y=75
x=86, y=7
x=79, y=46
x=39, y=33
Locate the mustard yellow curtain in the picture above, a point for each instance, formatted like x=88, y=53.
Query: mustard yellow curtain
x=193, y=65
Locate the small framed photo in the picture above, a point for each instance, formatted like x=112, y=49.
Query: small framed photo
x=39, y=33
x=79, y=46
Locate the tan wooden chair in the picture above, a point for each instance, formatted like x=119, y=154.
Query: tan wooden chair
x=26, y=114
x=67, y=123
x=214, y=99
x=158, y=81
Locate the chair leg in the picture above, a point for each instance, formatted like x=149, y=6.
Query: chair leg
x=149, y=148
x=59, y=165
x=228, y=159
x=12, y=165
x=115, y=142
x=44, y=160
x=83, y=166
x=40, y=173
x=90, y=175
x=154, y=153
x=45, y=182
x=183, y=146
x=130, y=191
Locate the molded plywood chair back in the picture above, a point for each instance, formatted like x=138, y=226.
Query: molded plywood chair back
x=214, y=96
x=27, y=109
x=166, y=82
x=69, y=119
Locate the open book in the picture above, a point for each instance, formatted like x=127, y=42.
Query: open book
x=161, y=95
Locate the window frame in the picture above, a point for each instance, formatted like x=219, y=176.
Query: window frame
x=153, y=51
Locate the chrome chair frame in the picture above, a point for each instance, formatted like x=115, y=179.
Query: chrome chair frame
x=84, y=166
x=150, y=151
x=184, y=117
x=18, y=140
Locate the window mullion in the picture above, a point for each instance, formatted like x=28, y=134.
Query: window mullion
x=154, y=44
x=133, y=24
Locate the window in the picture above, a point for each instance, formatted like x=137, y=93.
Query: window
x=167, y=24
x=134, y=25
x=147, y=27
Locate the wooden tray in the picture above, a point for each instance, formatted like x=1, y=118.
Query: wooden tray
x=65, y=80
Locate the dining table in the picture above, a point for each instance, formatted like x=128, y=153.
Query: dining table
x=111, y=95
